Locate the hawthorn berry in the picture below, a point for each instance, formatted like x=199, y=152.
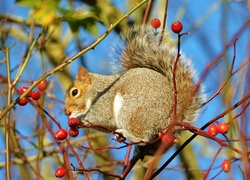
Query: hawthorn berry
x=23, y=101
x=226, y=165
x=223, y=127
x=155, y=23
x=35, y=94
x=60, y=172
x=23, y=89
x=213, y=130
x=176, y=27
x=42, y=85
x=61, y=134
x=73, y=132
x=73, y=122
x=167, y=138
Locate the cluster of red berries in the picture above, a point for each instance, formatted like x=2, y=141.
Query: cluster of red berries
x=73, y=123
x=35, y=95
x=62, y=134
x=221, y=127
x=176, y=26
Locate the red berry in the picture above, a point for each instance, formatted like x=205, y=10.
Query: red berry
x=167, y=138
x=23, y=89
x=213, y=130
x=176, y=27
x=23, y=101
x=73, y=132
x=42, y=85
x=61, y=134
x=226, y=165
x=223, y=127
x=35, y=94
x=60, y=172
x=155, y=23
x=73, y=122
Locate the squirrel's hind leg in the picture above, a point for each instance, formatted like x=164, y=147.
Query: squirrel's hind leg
x=121, y=115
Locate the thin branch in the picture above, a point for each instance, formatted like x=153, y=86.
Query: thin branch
x=7, y=120
x=214, y=158
x=74, y=57
x=39, y=108
x=174, y=75
x=145, y=17
x=130, y=166
x=216, y=175
x=242, y=172
x=194, y=135
x=234, y=57
x=94, y=170
x=164, y=22
x=25, y=61
x=126, y=161
x=174, y=78
x=230, y=43
x=225, y=81
x=104, y=148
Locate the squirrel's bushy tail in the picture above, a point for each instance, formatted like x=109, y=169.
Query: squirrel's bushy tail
x=141, y=50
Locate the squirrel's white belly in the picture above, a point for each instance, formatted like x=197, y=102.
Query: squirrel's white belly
x=118, y=101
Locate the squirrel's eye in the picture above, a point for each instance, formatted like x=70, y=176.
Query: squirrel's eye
x=74, y=92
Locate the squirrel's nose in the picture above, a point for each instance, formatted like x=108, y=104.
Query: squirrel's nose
x=67, y=112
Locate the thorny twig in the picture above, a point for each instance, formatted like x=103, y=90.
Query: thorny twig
x=202, y=128
x=164, y=22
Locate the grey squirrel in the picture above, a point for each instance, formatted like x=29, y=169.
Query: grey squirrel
x=139, y=101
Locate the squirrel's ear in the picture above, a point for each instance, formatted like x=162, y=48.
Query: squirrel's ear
x=83, y=75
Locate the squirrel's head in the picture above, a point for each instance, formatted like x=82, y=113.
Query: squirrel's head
x=75, y=100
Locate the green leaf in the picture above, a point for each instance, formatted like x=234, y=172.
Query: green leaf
x=29, y=3
x=78, y=14
x=43, y=11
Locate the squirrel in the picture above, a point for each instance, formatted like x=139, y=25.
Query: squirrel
x=139, y=101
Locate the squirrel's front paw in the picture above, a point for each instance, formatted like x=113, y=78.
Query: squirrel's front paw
x=119, y=135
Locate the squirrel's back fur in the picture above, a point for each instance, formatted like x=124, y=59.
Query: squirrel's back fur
x=141, y=50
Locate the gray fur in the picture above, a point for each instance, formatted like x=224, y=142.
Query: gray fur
x=139, y=101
